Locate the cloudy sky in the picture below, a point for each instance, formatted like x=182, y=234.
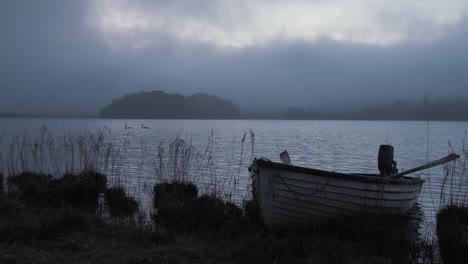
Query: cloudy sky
x=76, y=56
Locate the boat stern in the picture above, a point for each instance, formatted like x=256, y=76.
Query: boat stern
x=260, y=192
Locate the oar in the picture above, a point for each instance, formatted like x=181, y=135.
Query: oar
x=441, y=161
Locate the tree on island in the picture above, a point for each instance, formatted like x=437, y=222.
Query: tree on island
x=161, y=105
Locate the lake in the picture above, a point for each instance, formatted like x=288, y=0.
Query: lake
x=223, y=149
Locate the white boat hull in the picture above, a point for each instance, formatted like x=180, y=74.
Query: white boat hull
x=292, y=196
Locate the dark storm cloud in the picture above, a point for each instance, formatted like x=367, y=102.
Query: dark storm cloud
x=48, y=56
x=305, y=74
x=54, y=59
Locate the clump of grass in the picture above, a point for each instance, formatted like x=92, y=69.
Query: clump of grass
x=119, y=204
x=1, y=183
x=215, y=214
x=174, y=204
x=178, y=207
x=180, y=173
x=452, y=218
x=452, y=231
x=252, y=212
x=173, y=194
x=29, y=187
x=80, y=191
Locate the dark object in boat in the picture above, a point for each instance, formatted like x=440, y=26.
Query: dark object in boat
x=387, y=166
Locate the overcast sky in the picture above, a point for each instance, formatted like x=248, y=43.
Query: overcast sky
x=76, y=56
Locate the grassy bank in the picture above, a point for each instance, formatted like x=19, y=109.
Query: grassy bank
x=71, y=211
x=78, y=219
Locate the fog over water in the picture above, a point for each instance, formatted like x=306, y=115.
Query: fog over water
x=76, y=56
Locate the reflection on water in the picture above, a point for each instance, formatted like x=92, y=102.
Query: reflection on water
x=344, y=146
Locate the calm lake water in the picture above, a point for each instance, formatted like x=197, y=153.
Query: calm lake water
x=344, y=146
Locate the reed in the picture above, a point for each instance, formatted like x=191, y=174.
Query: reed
x=202, y=213
x=454, y=190
x=65, y=157
x=49, y=154
x=181, y=173
x=180, y=161
x=452, y=218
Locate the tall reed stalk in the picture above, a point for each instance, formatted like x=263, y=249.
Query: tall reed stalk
x=452, y=216
x=454, y=190
x=70, y=153
x=181, y=161
x=134, y=165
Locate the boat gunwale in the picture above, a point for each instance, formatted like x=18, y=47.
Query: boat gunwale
x=295, y=183
x=305, y=201
x=355, y=196
x=373, y=178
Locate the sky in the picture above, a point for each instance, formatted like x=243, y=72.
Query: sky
x=68, y=56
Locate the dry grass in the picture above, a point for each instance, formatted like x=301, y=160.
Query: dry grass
x=48, y=154
x=452, y=218
x=197, y=217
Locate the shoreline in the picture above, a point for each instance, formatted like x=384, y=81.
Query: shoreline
x=236, y=119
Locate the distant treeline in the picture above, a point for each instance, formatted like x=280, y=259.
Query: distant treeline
x=399, y=110
x=46, y=115
x=161, y=105
x=15, y=115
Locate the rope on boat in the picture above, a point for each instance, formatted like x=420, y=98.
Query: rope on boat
x=291, y=189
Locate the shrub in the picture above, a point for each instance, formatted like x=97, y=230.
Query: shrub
x=452, y=231
x=1, y=184
x=80, y=191
x=215, y=214
x=252, y=212
x=178, y=207
x=174, y=194
x=174, y=204
x=119, y=204
x=29, y=187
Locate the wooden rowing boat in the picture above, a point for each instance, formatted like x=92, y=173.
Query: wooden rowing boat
x=293, y=196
